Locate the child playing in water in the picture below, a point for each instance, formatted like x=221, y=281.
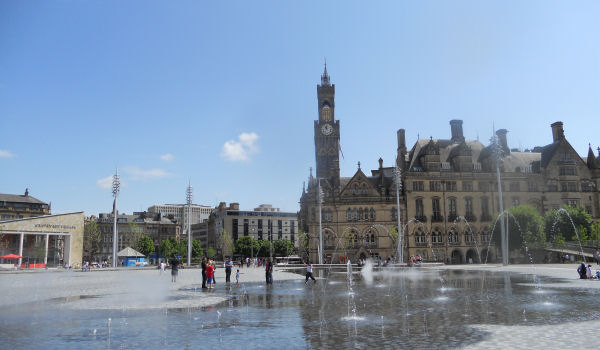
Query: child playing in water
x=237, y=277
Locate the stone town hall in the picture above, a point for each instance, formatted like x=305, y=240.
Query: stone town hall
x=445, y=181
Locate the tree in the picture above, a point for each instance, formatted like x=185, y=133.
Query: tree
x=225, y=243
x=197, y=251
x=210, y=252
x=246, y=246
x=264, y=249
x=525, y=228
x=303, y=241
x=92, y=238
x=167, y=248
x=558, y=223
x=283, y=247
x=145, y=245
x=595, y=233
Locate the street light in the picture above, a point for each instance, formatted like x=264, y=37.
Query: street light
x=320, y=196
x=116, y=184
x=189, y=197
x=503, y=236
x=398, y=182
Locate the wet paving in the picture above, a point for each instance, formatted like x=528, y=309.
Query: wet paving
x=417, y=308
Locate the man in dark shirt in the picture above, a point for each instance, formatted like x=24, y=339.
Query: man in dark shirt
x=174, y=268
x=269, y=271
x=204, y=272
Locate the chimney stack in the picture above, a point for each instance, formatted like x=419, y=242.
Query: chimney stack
x=557, y=131
x=457, y=131
x=401, y=133
x=501, y=133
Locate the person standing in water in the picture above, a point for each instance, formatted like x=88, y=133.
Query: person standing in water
x=174, y=268
x=309, y=273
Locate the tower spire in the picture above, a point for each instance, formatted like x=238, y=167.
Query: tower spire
x=592, y=163
x=325, y=76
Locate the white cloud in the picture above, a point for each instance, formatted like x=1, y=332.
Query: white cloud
x=138, y=174
x=6, y=154
x=105, y=182
x=167, y=157
x=242, y=149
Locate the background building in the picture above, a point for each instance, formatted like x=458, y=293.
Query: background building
x=51, y=240
x=449, y=198
x=130, y=228
x=179, y=213
x=14, y=206
x=262, y=223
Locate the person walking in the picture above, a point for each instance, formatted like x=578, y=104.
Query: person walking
x=309, y=273
x=228, y=267
x=203, y=273
x=210, y=274
x=174, y=268
x=269, y=271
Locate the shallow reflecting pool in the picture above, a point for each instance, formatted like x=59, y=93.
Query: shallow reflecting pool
x=396, y=309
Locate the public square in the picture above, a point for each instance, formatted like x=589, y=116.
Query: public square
x=141, y=308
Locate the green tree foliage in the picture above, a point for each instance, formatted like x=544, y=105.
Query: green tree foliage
x=246, y=246
x=92, y=238
x=170, y=247
x=197, y=250
x=225, y=243
x=527, y=230
x=167, y=248
x=145, y=245
x=595, y=233
x=265, y=249
x=182, y=248
x=394, y=235
x=557, y=224
x=303, y=241
x=210, y=252
x=283, y=247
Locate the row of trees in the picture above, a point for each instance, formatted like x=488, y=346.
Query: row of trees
x=247, y=246
x=529, y=228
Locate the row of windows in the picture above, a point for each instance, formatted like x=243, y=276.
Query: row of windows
x=360, y=214
x=467, y=186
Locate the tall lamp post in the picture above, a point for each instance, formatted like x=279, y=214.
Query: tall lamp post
x=503, y=236
x=320, y=196
x=398, y=181
x=115, y=190
x=189, y=196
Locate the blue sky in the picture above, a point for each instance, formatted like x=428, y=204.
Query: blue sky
x=223, y=94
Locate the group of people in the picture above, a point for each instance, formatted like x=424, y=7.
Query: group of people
x=415, y=260
x=585, y=272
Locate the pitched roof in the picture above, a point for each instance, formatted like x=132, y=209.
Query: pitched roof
x=19, y=199
x=130, y=252
x=548, y=152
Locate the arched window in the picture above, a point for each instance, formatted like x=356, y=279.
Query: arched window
x=354, y=214
x=360, y=214
x=364, y=189
x=326, y=113
x=372, y=214
x=349, y=214
x=355, y=189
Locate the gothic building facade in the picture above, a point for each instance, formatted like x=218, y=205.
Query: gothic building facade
x=448, y=198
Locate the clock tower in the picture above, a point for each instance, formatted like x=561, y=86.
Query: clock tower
x=327, y=133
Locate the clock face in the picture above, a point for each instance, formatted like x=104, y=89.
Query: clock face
x=327, y=129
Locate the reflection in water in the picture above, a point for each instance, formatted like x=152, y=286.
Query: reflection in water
x=400, y=309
